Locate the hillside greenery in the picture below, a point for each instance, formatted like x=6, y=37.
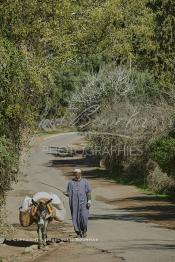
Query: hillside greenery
x=51, y=49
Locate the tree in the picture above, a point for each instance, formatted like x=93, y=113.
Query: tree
x=164, y=36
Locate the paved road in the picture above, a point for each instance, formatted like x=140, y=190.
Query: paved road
x=117, y=232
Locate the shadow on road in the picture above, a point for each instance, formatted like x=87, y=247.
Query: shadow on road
x=122, y=217
x=141, y=209
x=87, y=164
x=152, y=211
x=146, y=246
x=20, y=243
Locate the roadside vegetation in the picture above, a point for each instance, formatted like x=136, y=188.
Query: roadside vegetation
x=127, y=106
x=107, y=65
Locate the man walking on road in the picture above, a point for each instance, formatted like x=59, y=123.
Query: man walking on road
x=79, y=193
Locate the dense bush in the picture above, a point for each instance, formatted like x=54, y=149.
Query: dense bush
x=163, y=152
x=120, y=108
x=8, y=164
x=160, y=182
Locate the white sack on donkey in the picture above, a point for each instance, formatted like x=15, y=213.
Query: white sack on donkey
x=59, y=212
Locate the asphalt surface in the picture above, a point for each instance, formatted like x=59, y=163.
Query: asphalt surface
x=110, y=230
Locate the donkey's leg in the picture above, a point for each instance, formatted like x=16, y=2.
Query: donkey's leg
x=44, y=232
x=39, y=230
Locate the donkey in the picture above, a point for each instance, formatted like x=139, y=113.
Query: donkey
x=42, y=214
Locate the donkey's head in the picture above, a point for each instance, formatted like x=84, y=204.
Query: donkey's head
x=42, y=210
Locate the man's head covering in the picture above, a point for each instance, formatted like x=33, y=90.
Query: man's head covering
x=77, y=170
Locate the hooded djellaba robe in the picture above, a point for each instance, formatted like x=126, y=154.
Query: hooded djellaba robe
x=78, y=192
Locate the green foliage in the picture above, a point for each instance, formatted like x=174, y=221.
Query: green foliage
x=8, y=164
x=23, y=86
x=163, y=152
x=114, y=30
x=48, y=49
x=164, y=35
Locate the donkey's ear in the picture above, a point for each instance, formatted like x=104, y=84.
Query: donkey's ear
x=34, y=203
x=50, y=200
